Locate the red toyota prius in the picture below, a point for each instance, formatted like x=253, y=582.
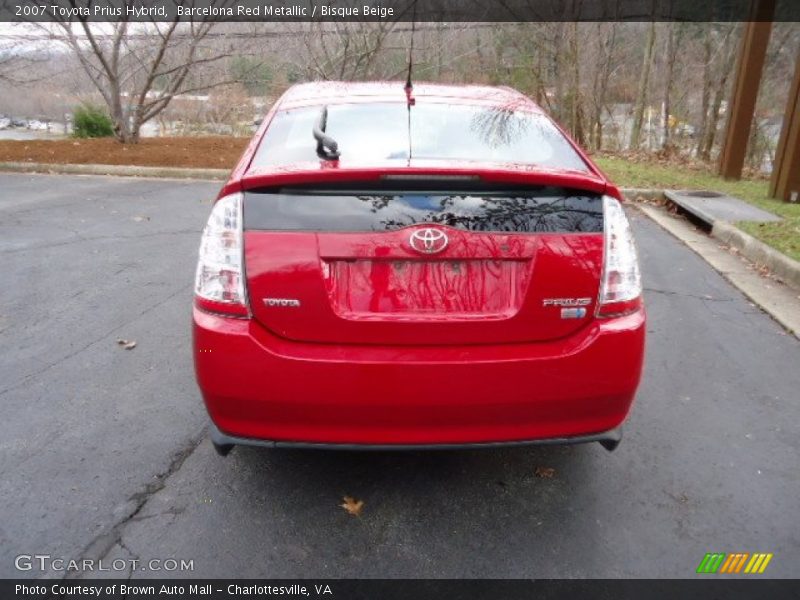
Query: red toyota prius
x=416, y=267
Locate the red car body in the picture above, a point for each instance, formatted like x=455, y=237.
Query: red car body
x=377, y=337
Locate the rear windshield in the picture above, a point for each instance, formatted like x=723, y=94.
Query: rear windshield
x=437, y=131
x=547, y=210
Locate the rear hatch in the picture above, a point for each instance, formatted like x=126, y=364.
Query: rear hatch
x=352, y=264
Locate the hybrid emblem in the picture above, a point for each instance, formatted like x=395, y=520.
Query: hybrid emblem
x=290, y=302
x=428, y=240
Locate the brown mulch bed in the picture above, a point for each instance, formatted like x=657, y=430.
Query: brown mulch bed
x=191, y=152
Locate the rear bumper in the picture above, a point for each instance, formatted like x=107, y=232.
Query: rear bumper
x=224, y=443
x=265, y=390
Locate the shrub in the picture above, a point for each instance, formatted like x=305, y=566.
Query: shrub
x=91, y=122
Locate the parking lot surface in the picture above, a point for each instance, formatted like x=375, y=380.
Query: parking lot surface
x=105, y=452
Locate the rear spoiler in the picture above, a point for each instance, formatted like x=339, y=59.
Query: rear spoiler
x=414, y=176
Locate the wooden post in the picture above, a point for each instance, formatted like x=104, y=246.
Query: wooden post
x=785, y=181
x=742, y=105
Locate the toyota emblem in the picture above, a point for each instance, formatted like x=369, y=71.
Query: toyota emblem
x=428, y=240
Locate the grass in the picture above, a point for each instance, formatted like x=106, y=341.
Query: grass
x=783, y=236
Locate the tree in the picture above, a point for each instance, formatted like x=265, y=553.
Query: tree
x=705, y=99
x=718, y=85
x=346, y=50
x=139, y=68
x=255, y=75
x=17, y=58
x=673, y=40
x=644, y=82
x=606, y=36
x=10, y=63
x=575, y=98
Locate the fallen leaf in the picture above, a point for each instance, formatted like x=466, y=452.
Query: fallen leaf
x=352, y=506
x=128, y=345
x=544, y=472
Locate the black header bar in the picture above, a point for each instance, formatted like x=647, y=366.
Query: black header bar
x=703, y=588
x=395, y=10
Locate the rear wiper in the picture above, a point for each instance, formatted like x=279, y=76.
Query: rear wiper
x=327, y=147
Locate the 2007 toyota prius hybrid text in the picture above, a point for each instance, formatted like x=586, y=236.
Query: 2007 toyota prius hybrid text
x=416, y=267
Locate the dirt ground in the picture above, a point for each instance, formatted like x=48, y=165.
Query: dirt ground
x=198, y=152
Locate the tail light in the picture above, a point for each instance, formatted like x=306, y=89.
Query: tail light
x=219, y=283
x=621, y=287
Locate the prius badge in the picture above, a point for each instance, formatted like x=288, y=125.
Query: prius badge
x=428, y=240
x=571, y=308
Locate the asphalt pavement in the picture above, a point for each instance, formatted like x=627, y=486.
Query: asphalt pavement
x=105, y=452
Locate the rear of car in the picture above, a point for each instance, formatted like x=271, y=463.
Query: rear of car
x=433, y=267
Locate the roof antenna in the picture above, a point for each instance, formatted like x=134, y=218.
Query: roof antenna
x=410, y=86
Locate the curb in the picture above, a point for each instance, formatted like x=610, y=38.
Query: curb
x=116, y=170
x=779, y=301
x=780, y=265
x=646, y=193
